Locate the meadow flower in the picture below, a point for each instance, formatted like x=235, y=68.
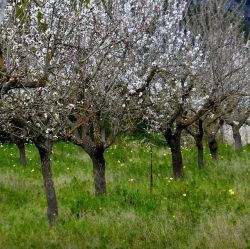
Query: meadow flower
x=32, y=170
x=169, y=179
x=131, y=180
x=184, y=194
x=231, y=192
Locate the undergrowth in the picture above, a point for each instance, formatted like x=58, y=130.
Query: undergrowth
x=209, y=208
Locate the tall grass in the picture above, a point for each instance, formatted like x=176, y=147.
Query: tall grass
x=209, y=208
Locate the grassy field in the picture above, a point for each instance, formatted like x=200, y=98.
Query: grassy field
x=210, y=208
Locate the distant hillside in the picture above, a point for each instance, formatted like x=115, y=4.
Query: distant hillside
x=246, y=9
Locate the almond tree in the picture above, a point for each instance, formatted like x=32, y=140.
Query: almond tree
x=168, y=90
x=35, y=97
x=121, y=46
x=227, y=62
x=201, y=74
x=220, y=25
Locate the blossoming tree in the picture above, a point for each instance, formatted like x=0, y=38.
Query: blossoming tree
x=35, y=94
x=121, y=47
x=198, y=74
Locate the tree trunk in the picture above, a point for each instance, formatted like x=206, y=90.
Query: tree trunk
x=45, y=148
x=213, y=146
x=22, y=154
x=237, y=139
x=200, y=151
x=21, y=147
x=99, y=171
x=174, y=142
x=199, y=145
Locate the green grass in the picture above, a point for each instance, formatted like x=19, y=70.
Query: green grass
x=196, y=212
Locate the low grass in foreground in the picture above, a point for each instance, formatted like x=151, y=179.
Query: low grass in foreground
x=209, y=208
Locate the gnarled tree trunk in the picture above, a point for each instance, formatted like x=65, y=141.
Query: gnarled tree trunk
x=44, y=147
x=97, y=157
x=96, y=152
x=237, y=138
x=174, y=142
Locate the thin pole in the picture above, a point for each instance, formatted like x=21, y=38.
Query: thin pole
x=151, y=170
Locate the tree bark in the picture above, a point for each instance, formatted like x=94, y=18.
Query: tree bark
x=213, y=146
x=199, y=145
x=96, y=153
x=21, y=147
x=237, y=139
x=44, y=147
x=174, y=142
x=200, y=152
x=98, y=161
x=22, y=154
